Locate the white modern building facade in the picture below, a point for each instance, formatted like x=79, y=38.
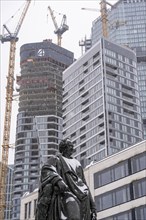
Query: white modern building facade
x=118, y=184
x=101, y=105
x=28, y=205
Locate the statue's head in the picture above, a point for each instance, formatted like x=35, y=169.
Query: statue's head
x=66, y=147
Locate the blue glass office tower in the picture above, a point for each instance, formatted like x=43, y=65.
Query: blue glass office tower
x=127, y=26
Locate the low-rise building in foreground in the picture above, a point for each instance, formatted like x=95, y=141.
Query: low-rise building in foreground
x=118, y=184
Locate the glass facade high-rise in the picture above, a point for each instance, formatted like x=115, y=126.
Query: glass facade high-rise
x=101, y=105
x=9, y=192
x=39, y=121
x=127, y=26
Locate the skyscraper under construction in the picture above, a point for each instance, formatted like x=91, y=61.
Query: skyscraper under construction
x=39, y=121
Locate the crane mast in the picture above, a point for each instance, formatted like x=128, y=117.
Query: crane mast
x=104, y=21
x=104, y=15
x=12, y=38
x=104, y=18
x=59, y=30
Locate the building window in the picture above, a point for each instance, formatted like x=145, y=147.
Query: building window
x=83, y=137
x=96, y=63
x=83, y=145
x=85, y=110
x=106, y=201
x=63, y=110
x=73, y=134
x=85, y=64
x=29, y=209
x=35, y=205
x=25, y=212
x=85, y=118
x=111, y=174
x=86, y=71
x=65, y=94
x=66, y=101
x=112, y=198
x=138, y=162
x=27, y=127
x=121, y=195
x=85, y=102
x=82, y=89
x=120, y=170
x=74, y=142
x=83, y=154
x=82, y=81
x=85, y=94
x=139, y=188
x=140, y=213
x=82, y=128
x=64, y=124
x=28, y=120
x=64, y=132
x=96, y=55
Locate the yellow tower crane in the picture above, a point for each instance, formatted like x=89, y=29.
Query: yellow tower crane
x=12, y=38
x=59, y=30
x=104, y=16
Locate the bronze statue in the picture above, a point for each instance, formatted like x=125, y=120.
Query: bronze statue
x=63, y=192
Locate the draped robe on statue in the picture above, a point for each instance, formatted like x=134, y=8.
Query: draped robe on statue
x=75, y=201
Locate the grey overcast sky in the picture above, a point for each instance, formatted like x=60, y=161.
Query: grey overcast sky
x=36, y=27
